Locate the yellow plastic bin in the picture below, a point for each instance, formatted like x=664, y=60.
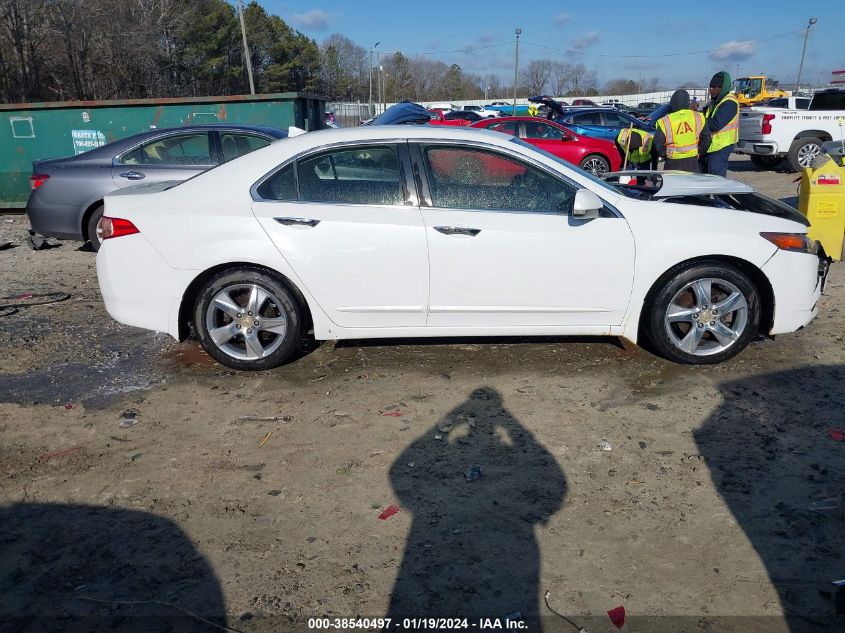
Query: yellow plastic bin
x=821, y=199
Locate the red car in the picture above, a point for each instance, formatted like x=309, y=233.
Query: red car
x=595, y=155
x=438, y=118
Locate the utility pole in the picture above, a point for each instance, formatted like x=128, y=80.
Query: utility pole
x=516, y=71
x=378, y=78
x=371, y=79
x=247, y=58
x=804, y=50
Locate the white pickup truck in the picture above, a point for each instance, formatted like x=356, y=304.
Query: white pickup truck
x=769, y=135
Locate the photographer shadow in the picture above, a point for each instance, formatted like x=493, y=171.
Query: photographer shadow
x=477, y=484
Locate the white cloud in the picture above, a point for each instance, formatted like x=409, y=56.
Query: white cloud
x=561, y=18
x=317, y=20
x=585, y=41
x=733, y=51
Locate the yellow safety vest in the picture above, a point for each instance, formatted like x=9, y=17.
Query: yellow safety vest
x=643, y=153
x=682, y=130
x=533, y=109
x=728, y=135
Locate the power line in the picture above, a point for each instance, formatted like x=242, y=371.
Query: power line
x=711, y=50
x=459, y=50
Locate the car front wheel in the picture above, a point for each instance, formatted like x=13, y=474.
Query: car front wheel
x=247, y=319
x=703, y=314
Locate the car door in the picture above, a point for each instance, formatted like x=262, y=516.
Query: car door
x=505, y=251
x=588, y=124
x=347, y=222
x=175, y=156
x=552, y=139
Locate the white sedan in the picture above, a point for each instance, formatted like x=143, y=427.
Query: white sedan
x=408, y=231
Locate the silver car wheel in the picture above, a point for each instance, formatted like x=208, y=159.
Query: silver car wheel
x=595, y=166
x=705, y=317
x=808, y=154
x=245, y=321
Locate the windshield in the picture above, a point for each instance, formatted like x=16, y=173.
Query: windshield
x=749, y=87
x=601, y=183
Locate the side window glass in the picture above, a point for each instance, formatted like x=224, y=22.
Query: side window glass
x=475, y=179
x=588, y=118
x=508, y=127
x=177, y=150
x=361, y=175
x=235, y=145
x=280, y=186
x=614, y=120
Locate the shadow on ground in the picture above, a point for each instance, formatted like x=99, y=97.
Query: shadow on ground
x=772, y=458
x=85, y=568
x=477, y=484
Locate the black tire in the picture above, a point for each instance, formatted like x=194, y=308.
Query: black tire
x=91, y=227
x=281, y=301
x=596, y=164
x=766, y=162
x=667, y=336
x=802, y=152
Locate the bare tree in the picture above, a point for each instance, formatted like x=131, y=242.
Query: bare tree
x=561, y=78
x=536, y=75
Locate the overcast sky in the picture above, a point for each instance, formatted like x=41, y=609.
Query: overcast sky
x=676, y=42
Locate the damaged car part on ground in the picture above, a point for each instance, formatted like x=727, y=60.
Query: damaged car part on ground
x=423, y=231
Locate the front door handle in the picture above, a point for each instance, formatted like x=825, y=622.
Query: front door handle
x=297, y=221
x=457, y=230
x=132, y=175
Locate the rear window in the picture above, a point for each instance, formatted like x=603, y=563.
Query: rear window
x=828, y=100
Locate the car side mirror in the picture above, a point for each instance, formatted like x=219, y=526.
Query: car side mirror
x=587, y=205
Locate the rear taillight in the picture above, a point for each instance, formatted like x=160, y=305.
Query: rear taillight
x=108, y=228
x=767, y=123
x=38, y=179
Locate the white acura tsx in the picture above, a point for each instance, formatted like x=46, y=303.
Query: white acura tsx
x=410, y=231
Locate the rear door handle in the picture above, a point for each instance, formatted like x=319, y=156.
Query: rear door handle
x=132, y=175
x=297, y=221
x=457, y=230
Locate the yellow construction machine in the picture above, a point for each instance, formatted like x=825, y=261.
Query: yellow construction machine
x=752, y=90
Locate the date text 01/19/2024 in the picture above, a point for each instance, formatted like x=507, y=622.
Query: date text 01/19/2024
x=414, y=624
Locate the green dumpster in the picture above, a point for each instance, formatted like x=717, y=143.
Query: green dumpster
x=34, y=131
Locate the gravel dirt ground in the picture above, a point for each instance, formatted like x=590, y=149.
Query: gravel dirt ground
x=145, y=488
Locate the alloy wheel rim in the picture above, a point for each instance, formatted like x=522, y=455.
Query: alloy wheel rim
x=807, y=154
x=246, y=321
x=705, y=317
x=595, y=166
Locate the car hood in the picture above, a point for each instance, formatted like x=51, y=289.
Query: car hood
x=669, y=184
x=699, y=189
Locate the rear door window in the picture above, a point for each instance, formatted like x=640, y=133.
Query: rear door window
x=362, y=175
x=176, y=150
x=587, y=118
x=235, y=145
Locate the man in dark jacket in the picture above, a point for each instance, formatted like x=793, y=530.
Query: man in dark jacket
x=722, y=114
x=681, y=136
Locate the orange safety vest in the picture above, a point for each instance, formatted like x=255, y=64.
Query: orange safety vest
x=682, y=130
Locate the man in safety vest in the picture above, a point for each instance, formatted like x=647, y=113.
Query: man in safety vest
x=638, y=147
x=722, y=114
x=681, y=136
x=533, y=110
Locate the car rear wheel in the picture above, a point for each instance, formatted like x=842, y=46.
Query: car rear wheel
x=703, y=314
x=595, y=164
x=247, y=319
x=804, y=152
x=92, y=228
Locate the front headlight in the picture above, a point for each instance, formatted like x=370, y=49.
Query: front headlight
x=795, y=242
